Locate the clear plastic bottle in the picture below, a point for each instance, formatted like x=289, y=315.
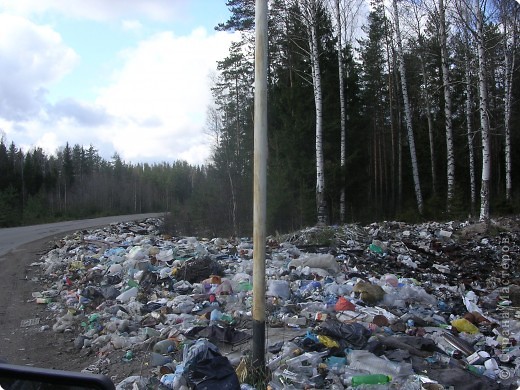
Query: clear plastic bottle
x=307, y=359
x=164, y=346
x=157, y=360
x=364, y=360
x=289, y=350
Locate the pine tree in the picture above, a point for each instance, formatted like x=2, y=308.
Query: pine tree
x=374, y=93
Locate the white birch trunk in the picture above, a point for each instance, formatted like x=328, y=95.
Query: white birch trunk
x=484, y=119
x=407, y=112
x=343, y=146
x=351, y=13
x=399, y=164
x=321, y=203
x=509, y=65
x=469, y=131
x=450, y=163
x=430, y=125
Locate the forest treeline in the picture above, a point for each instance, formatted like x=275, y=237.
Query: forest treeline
x=77, y=183
x=416, y=119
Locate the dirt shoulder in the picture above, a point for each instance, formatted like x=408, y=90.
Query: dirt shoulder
x=26, y=335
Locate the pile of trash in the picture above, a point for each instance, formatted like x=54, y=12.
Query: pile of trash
x=384, y=306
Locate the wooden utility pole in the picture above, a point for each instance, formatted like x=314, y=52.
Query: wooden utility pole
x=259, y=186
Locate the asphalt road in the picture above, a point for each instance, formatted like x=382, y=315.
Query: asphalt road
x=12, y=238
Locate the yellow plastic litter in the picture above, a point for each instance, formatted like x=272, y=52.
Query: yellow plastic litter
x=75, y=265
x=241, y=370
x=463, y=325
x=327, y=341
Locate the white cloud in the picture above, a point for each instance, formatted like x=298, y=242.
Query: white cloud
x=153, y=109
x=161, y=94
x=100, y=10
x=53, y=134
x=131, y=25
x=33, y=57
x=49, y=142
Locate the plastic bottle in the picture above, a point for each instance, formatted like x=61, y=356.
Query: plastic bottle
x=148, y=332
x=164, y=346
x=309, y=359
x=375, y=248
x=295, y=321
x=127, y=295
x=371, y=379
x=215, y=315
x=452, y=346
x=364, y=360
x=458, y=344
x=157, y=359
x=128, y=356
x=289, y=350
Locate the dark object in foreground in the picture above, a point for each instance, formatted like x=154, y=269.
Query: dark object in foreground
x=14, y=377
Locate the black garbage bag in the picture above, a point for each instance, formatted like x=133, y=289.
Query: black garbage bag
x=196, y=270
x=112, y=279
x=205, y=368
x=458, y=377
x=418, y=346
x=213, y=373
x=150, y=307
x=308, y=344
x=148, y=280
x=356, y=335
x=219, y=333
x=92, y=292
x=110, y=292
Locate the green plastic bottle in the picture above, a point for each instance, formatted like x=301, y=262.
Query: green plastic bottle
x=372, y=379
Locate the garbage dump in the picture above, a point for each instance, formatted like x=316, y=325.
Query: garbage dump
x=384, y=306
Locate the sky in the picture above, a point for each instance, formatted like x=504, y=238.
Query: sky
x=131, y=77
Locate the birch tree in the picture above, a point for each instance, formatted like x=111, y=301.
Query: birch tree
x=509, y=18
x=483, y=110
x=479, y=7
x=407, y=110
x=450, y=163
x=310, y=12
x=346, y=13
x=469, y=123
x=467, y=45
x=426, y=94
x=343, y=120
x=471, y=15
